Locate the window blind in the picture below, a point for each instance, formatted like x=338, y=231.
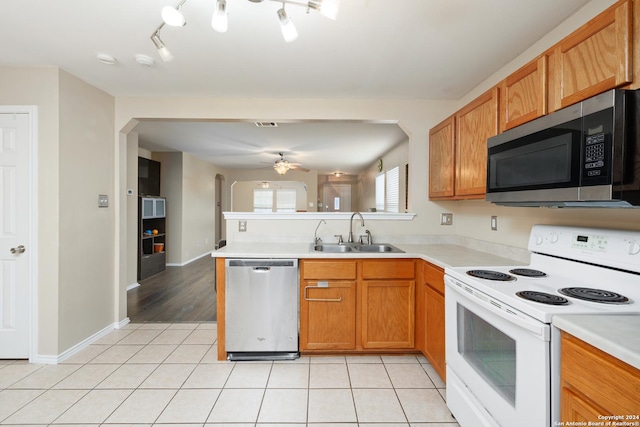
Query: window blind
x=380, y=193
x=392, y=196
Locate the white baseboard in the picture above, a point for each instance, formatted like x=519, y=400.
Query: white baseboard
x=190, y=261
x=132, y=286
x=54, y=360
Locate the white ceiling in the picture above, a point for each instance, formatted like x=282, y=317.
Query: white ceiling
x=426, y=49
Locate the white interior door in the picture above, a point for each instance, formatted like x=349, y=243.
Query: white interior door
x=15, y=256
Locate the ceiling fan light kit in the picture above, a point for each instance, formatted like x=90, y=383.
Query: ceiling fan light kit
x=282, y=166
x=173, y=16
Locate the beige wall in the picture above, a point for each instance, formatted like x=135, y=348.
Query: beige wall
x=198, y=208
x=87, y=245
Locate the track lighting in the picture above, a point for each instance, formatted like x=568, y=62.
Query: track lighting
x=219, y=21
x=173, y=15
x=289, y=31
x=328, y=8
x=164, y=53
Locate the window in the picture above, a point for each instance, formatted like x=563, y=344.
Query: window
x=286, y=200
x=380, y=193
x=392, y=196
x=262, y=200
x=388, y=191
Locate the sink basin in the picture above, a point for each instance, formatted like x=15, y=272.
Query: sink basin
x=381, y=247
x=332, y=247
x=355, y=247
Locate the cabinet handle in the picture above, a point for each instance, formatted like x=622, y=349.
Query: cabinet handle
x=319, y=299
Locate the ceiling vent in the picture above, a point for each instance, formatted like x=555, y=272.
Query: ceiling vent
x=266, y=124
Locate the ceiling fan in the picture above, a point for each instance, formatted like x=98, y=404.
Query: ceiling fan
x=282, y=166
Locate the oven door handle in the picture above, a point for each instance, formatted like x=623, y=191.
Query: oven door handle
x=538, y=329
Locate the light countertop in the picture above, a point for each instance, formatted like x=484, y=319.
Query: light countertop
x=442, y=255
x=616, y=334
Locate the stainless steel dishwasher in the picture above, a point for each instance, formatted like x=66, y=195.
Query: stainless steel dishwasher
x=261, y=309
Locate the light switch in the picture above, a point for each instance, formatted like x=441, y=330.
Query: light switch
x=494, y=223
x=446, y=218
x=103, y=201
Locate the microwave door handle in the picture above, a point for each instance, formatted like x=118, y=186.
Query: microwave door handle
x=538, y=329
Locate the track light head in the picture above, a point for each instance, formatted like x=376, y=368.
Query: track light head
x=289, y=31
x=328, y=8
x=173, y=16
x=164, y=53
x=220, y=21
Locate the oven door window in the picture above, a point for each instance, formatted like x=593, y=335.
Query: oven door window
x=490, y=352
x=547, y=159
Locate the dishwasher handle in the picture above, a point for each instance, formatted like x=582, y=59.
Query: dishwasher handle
x=261, y=269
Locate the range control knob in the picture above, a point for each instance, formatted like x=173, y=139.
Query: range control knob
x=539, y=239
x=634, y=248
x=554, y=238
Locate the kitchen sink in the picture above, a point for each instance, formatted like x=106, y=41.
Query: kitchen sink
x=355, y=247
x=378, y=247
x=332, y=247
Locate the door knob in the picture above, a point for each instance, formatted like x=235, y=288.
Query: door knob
x=20, y=249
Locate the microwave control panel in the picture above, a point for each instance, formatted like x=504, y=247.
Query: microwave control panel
x=596, y=155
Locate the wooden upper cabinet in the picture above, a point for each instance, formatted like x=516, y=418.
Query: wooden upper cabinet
x=523, y=95
x=442, y=159
x=476, y=122
x=593, y=59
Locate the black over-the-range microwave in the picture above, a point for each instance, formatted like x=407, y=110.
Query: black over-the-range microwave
x=584, y=155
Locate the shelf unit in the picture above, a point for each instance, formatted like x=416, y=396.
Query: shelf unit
x=152, y=216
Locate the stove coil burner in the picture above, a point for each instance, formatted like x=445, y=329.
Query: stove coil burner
x=543, y=298
x=594, y=295
x=491, y=275
x=528, y=272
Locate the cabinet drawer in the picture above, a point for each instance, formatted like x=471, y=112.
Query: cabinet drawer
x=327, y=269
x=605, y=380
x=388, y=269
x=433, y=276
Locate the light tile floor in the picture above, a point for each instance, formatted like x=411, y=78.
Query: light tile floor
x=167, y=374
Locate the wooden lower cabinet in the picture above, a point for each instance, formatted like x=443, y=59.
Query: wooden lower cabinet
x=388, y=314
x=328, y=316
x=595, y=384
x=430, y=332
x=357, y=305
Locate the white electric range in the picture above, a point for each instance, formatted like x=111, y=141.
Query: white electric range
x=503, y=355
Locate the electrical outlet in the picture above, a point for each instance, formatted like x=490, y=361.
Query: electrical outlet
x=242, y=225
x=103, y=201
x=446, y=218
x=494, y=223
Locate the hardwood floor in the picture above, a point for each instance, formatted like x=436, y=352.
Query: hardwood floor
x=178, y=294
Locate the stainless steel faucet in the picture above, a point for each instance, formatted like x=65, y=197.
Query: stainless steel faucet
x=350, y=238
x=317, y=239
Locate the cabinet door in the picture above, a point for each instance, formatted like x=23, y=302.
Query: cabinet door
x=435, y=344
x=523, y=95
x=441, y=160
x=388, y=314
x=573, y=408
x=474, y=124
x=328, y=315
x=594, y=58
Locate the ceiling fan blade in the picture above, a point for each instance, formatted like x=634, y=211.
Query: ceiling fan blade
x=298, y=168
